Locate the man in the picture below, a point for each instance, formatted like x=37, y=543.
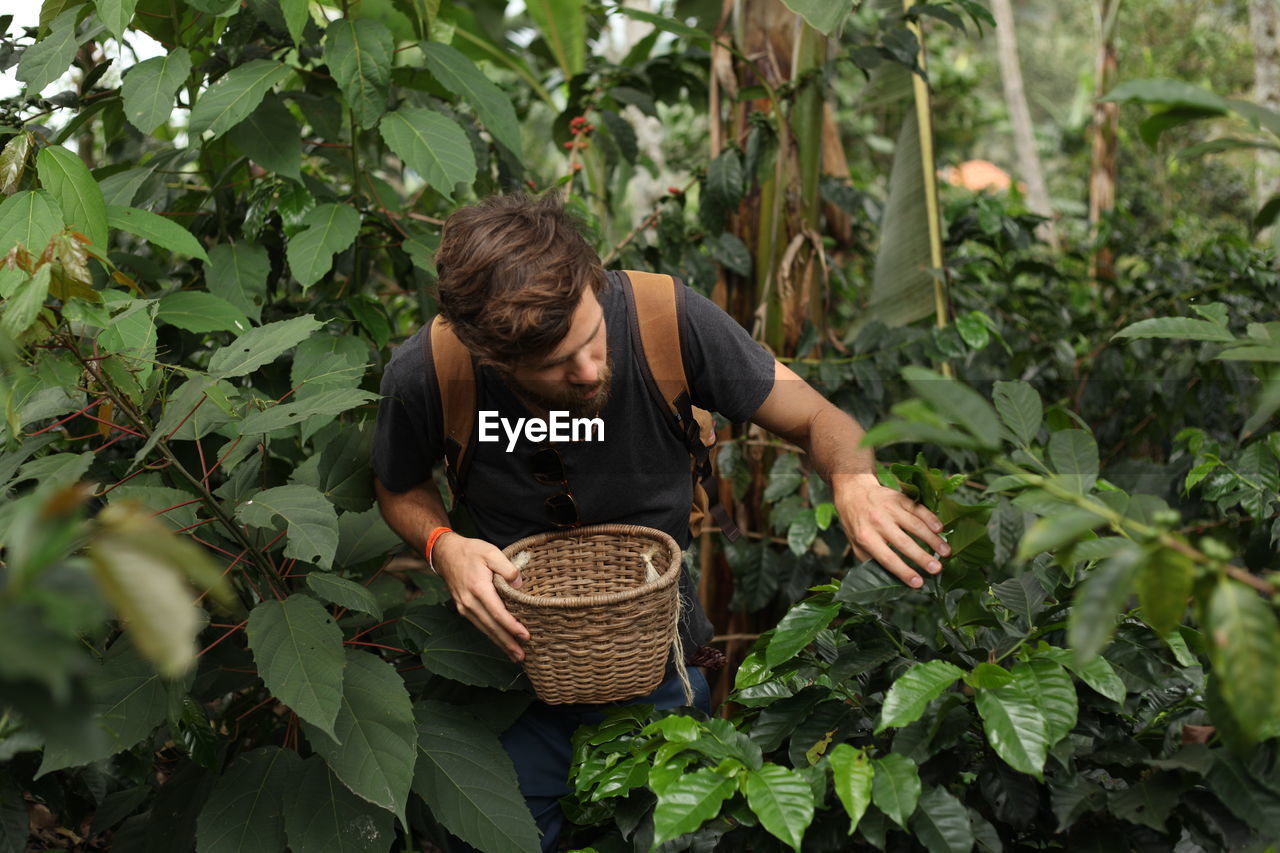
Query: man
x=528, y=297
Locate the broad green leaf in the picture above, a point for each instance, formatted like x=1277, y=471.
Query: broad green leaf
x=431, y=145
x=154, y=228
x=1022, y=594
x=284, y=415
x=941, y=823
x=14, y=824
x=825, y=16
x=895, y=787
x=363, y=536
x=121, y=187
x=325, y=362
x=260, y=346
x=50, y=57
x=851, y=774
x=244, y=813
x=13, y=161
x=801, y=532
x=1015, y=727
x=270, y=136
x=563, y=24
x=235, y=95
x=1099, y=599
x=1020, y=408
x=375, y=741
x=783, y=801
x=461, y=76
x=957, y=402
x=725, y=180
x=150, y=87
x=200, y=311
x=1245, y=650
x=785, y=477
x=1100, y=675
x=1054, y=531
x=67, y=179
x=1249, y=798
x=298, y=649
x=1147, y=802
x=21, y=309
x=1074, y=455
x=322, y=815
x=116, y=15
x=1167, y=92
x=914, y=690
x=238, y=272
x=128, y=701
x=468, y=780
x=1178, y=328
x=1164, y=586
x=358, y=53
x=454, y=648
x=313, y=523
x=329, y=229
x=30, y=218
x=296, y=14
x=1051, y=690
x=797, y=630
x=689, y=801
x=161, y=501
x=344, y=593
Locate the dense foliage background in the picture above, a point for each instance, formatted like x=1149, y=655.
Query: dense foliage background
x=218, y=218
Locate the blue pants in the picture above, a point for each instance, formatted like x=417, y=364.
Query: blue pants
x=539, y=745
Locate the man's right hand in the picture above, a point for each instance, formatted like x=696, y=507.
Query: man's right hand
x=467, y=567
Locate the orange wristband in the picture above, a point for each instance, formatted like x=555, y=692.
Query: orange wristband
x=431, y=544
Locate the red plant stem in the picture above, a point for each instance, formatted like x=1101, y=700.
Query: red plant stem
x=255, y=707
x=225, y=571
x=360, y=634
x=177, y=506
x=221, y=551
x=102, y=447
x=226, y=453
x=412, y=668
x=204, y=467
x=377, y=646
x=223, y=637
x=194, y=526
x=112, y=424
x=57, y=424
x=198, y=404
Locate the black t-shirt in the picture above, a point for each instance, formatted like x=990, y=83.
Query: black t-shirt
x=638, y=473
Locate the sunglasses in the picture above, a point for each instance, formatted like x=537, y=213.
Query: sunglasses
x=548, y=469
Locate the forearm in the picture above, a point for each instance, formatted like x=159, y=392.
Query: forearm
x=412, y=514
x=833, y=447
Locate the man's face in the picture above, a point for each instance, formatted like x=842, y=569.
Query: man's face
x=574, y=377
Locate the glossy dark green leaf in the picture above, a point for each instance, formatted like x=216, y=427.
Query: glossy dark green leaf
x=1015, y=727
x=1051, y=690
x=237, y=272
x=153, y=228
x=895, y=788
x=200, y=311
x=941, y=823
x=150, y=88
x=797, y=629
x=67, y=179
x=298, y=649
x=270, y=136
x=1099, y=599
x=454, y=648
x=689, y=801
x=957, y=402
x=852, y=774
x=783, y=801
x=1164, y=587
x=1020, y=408
x=234, y=95
x=1054, y=531
x=914, y=690
x=1245, y=650
x=1179, y=328
x=460, y=75
x=244, y=814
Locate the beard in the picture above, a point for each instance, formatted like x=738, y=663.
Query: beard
x=572, y=399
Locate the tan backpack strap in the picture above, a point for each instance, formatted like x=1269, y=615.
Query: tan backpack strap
x=456, y=379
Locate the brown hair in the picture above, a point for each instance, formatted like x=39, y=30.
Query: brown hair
x=512, y=271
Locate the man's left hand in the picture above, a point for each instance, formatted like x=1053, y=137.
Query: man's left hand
x=881, y=522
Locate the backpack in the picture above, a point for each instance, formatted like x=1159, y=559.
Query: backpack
x=655, y=304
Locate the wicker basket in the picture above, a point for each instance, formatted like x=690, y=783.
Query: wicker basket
x=598, y=631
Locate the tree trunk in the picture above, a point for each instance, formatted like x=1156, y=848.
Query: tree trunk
x=1264, y=31
x=1020, y=118
x=1102, y=172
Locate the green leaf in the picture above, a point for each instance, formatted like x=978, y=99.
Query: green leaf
x=801, y=532
x=358, y=53
x=298, y=649
x=1178, y=328
x=941, y=823
x=468, y=780
x=914, y=690
x=1051, y=690
x=1015, y=727
x=270, y=136
x=322, y=815
x=244, y=813
x=326, y=403
x=1099, y=674
x=324, y=362
x=1074, y=455
x=851, y=774
x=783, y=800
x=797, y=630
x=431, y=145
x=825, y=16
x=234, y=96
x=150, y=87
x=1099, y=600
x=50, y=57
x=689, y=801
x=67, y=179
x=154, y=228
x=30, y=218
x=1249, y=798
x=725, y=181
x=313, y=533
x=1164, y=586
x=785, y=477
x=957, y=402
x=1020, y=408
x=344, y=593
x=563, y=24
x=1021, y=594
x=895, y=787
x=1167, y=92
x=198, y=311
x=21, y=309
x=238, y=272
x=1245, y=650
x=375, y=741
x=461, y=76
x=296, y=15
x=730, y=252
x=1054, y=531
x=260, y=346
x=454, y=648
x=329, y=229
x=117, y=15
x=14, y=823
